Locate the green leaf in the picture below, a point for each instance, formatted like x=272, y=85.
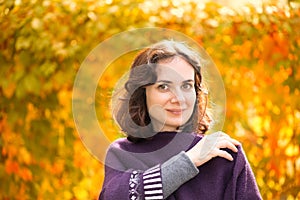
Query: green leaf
x=22, y=43
x=32, y=84
x=48, y=68
x=26, y=58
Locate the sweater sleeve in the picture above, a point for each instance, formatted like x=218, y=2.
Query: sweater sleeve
x=132, y=184
x=242, y=184
x=157, y=182
x=122, y=182
x=176, y=171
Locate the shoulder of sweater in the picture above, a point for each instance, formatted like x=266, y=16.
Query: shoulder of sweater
x=240, y=158
x=241, y=153
x=118, y=143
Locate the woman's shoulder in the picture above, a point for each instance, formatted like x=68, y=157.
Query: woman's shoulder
x=119, y=143
x=241, y=157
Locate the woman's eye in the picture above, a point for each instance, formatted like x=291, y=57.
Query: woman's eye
x=187, y=86
x=163, y=87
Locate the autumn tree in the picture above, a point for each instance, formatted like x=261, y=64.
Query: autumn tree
x=43, y=44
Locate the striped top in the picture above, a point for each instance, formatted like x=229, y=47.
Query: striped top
x=153, y=183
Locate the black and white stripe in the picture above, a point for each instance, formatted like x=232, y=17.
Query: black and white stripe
x=153, y=183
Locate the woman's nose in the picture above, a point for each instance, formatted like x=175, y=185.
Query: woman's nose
x=177, y=96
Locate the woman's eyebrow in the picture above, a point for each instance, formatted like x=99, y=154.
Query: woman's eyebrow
x=189, y=80
x=164, y=81
x=167, y=81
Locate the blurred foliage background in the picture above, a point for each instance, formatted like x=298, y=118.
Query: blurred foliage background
x=43, y=42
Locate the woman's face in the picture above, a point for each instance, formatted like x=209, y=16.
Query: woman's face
x=170, y=101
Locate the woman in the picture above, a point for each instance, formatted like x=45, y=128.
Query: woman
x=165, y=155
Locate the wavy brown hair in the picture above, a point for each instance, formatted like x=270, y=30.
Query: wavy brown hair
x=132, y=114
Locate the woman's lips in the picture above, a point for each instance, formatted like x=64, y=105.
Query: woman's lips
x=175, y=111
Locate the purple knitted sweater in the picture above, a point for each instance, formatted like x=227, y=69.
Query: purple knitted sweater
x=133, y=171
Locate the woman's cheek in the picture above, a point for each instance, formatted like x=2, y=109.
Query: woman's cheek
x=191, y=97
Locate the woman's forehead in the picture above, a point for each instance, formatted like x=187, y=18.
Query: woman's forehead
x=173, y=70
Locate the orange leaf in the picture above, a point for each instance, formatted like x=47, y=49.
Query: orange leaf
x=25, y=174
x=11, y=167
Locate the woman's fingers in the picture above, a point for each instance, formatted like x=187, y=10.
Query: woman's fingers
x=224, y=154
x=225, y=136
x=212, y=146
x=227, y=144
x=225, y=141
x=235, y=142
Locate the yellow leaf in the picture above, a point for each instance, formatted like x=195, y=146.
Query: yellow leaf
x=80, y=193
x=25, y=156
x=292, y=150
x=227, y=39
x=67, y=195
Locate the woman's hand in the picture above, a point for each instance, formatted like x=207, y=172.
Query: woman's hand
x=210, y=147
